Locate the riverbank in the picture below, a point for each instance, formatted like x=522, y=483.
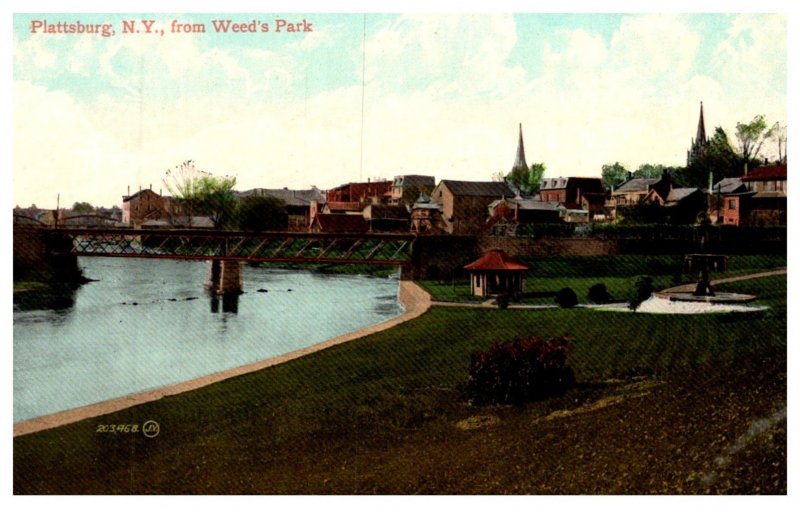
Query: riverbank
x=414, y=300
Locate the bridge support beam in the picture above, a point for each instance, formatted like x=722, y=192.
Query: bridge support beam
x=224, y=277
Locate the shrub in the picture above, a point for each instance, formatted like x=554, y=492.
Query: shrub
x=518, y=371
x=566, y=298
x=643, y=289
x=503, y=300
x=598, y=294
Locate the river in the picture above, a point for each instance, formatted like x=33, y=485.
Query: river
x=146, y=323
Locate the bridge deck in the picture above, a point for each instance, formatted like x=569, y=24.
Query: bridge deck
x=288, y=247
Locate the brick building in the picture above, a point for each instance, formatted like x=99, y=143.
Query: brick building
x=464, y=204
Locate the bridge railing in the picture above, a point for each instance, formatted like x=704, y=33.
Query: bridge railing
x=187, y=244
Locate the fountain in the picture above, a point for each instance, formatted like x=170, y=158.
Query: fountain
x=704, y=264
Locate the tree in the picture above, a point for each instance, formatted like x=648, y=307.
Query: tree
x=751, y=137
x=82, y=207
x=201, y=193
x=719, y=161
x=649, y=171
x=262, y=213
x=614, y=175
x=527, y=180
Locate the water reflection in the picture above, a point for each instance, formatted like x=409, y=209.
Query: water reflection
x=230, y=303
x=56, y=298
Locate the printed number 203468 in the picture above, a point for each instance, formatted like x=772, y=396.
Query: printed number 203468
x=111, y=428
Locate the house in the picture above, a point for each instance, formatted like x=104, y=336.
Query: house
x=350, y=207
x=633, y=191
x=679, y=206
x=147, y=205
x=764, y=203
x=297, y=203
x=338, y=223
x=574, y=193
x=496, y=273
x=363, y=193
x=387, y=218
x=464, y=203
x=725, y=209
x=407, y=188
x=506, y=215
x=426, y=217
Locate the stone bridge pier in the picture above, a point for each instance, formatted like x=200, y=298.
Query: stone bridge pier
x=224, y=277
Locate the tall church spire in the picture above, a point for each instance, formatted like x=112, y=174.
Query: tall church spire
x=519, y=162
x=700, y=138
x=700, y=141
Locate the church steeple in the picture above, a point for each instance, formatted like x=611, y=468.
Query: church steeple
x=700, y=141
x=519, y=162
x=700, y=138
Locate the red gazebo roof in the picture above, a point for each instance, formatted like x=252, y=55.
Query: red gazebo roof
x=496, y=259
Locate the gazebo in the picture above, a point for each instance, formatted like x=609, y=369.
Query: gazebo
x=496, y=273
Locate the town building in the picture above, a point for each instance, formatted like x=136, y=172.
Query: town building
x=147, y=205
x=338, y=223
x=679, y=206
x=464, y=204
x=297, y=203
x=386, y=218
x=407, y=188
x=378, y=191
x=633, y=191
x=426, y=217
x=762, y=203
x=496, y=273
x=575, y=193
x=506, y=215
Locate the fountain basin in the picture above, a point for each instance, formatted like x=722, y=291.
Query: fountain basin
x=717, y=298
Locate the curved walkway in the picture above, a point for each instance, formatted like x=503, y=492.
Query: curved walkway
x=689, y=287
x=414, y=299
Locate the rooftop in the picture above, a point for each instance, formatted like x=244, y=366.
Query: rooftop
x=496, y=259
x=637, y=185
x=288, y=196
x=769, y=172
x=478, y=188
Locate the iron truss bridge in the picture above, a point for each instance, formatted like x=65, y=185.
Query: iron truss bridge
x=281, y=247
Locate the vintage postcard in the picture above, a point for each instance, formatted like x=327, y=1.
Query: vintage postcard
x=309, y=253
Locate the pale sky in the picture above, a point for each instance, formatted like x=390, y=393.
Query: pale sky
x=439, y=94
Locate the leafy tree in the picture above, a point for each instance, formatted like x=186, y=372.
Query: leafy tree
x=527, y=180
x=201, y=193
x=719, y=160
x=649, y=171
x=535, y=177
x=751, y=137
x=262, y=213
x=82, y=207
x=614, y=175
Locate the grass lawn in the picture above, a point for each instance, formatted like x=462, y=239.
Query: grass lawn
x=377, y=415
